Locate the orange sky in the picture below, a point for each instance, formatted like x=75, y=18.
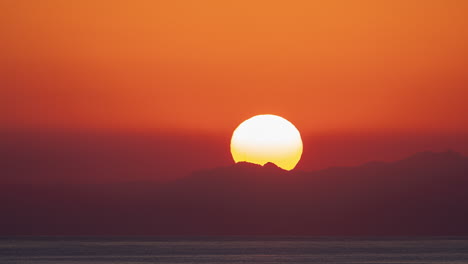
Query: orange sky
x=341, y=66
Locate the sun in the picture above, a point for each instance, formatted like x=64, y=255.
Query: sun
x=267, y=138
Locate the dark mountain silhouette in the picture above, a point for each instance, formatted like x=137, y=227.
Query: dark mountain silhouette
x=425, y=194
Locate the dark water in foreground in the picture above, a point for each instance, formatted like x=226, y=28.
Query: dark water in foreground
x=232, y=250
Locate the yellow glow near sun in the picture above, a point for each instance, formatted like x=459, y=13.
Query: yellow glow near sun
x=267, y=138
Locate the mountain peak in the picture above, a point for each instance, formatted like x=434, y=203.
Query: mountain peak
x=272, y=166
x=269, y=166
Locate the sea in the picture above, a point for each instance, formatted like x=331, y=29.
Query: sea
x=271, y=250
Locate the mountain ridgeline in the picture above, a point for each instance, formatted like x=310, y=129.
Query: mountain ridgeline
x=425, y=194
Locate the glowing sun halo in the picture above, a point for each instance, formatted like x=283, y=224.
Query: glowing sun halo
x=267, y=138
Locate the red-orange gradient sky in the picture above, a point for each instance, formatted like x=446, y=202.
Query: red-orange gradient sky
x=206, y=65
x=186, y=66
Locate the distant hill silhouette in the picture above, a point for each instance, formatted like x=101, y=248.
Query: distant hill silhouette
x=425, y=194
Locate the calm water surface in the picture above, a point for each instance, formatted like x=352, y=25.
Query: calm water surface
x=232, y=250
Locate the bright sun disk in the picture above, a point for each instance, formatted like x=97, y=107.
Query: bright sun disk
x=267, y=138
